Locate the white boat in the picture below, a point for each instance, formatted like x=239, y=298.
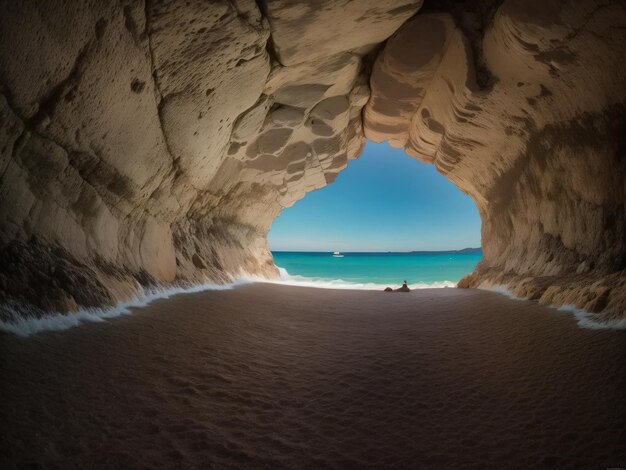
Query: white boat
x=337, y=254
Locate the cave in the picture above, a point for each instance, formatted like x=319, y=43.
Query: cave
x=146, y=147
x=152, y=144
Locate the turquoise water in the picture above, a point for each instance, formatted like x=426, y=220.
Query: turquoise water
x=437, y=269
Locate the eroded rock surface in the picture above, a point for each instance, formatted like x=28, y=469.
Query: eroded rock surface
x=540, y=150
x=155, y=142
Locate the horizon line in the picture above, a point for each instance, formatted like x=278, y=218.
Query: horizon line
x=388, y=251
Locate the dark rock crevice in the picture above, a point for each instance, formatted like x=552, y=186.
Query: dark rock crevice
x=474, y=19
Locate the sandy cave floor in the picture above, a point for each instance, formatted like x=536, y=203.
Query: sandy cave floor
x=269, y=376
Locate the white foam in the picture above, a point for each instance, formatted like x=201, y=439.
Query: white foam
x=504, y=290
x=302, y=281
x=590, y=320
x=584, y=319
x=25, y=325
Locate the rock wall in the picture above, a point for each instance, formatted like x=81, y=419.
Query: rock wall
x=155, y=142
x=533, y=128
x=151, y=141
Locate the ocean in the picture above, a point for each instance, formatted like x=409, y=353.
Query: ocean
x=375, y=270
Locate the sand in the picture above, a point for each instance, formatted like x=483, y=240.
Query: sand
x=269, y=376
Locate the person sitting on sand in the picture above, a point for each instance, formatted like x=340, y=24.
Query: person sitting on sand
x=404, y=288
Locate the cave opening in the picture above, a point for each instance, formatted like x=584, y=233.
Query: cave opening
x=387, y=218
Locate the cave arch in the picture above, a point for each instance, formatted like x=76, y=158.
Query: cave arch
x=385, y=201
x=156, y=142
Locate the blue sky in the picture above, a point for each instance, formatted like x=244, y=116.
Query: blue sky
x=384, y=201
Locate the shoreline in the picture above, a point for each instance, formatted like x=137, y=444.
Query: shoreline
x=28, y=325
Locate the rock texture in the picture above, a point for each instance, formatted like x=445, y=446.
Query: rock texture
x=539, y=143
x=147, y=142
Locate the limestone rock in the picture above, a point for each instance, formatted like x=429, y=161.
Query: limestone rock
x=155, y=142
x=537, y=150
x=401, y=75
x=307, y=31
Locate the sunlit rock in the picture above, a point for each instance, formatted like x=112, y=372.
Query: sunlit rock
x=156, y=142
x=540, y=150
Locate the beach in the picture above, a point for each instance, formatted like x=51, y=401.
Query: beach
x=272, y=376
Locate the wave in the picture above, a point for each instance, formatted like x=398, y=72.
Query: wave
x=504, y=290
x=592, y=321
x=303, y=281
x=25, y=324
x=584, y=318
